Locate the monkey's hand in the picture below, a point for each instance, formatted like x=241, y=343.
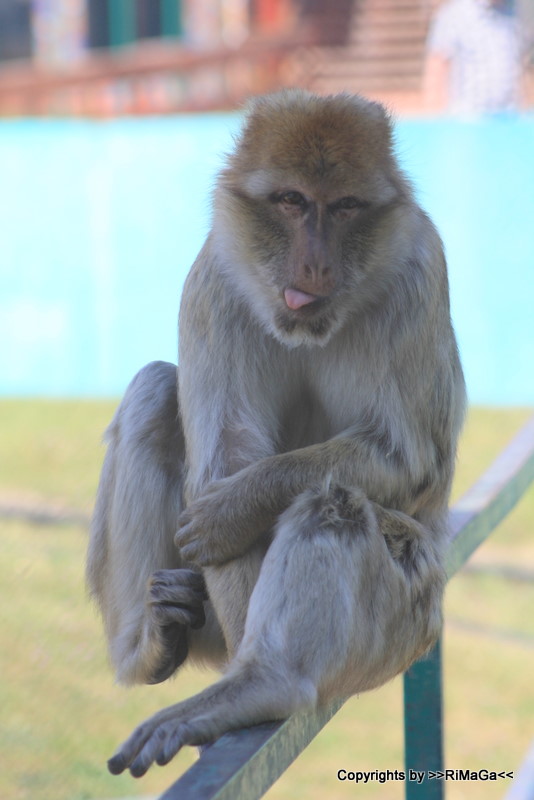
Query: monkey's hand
x=175, y=601
x=215, y=527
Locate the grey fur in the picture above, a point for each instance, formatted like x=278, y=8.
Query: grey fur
x=310, y=483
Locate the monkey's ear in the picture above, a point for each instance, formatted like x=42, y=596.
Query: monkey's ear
x=373, y=110
x=377, y=111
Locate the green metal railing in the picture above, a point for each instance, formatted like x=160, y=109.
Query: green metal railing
x=245, y=763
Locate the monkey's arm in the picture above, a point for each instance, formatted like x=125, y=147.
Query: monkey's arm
x=148, y=602
x=223, y=522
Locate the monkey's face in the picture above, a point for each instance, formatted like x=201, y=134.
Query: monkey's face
x=299, y=207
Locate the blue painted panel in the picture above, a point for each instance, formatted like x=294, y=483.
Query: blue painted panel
x=476, y=180
x=100, y=223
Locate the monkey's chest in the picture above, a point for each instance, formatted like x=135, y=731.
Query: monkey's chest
x=304, y=420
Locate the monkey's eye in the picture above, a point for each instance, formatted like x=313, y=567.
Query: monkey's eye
x=348, y=204
x=292, y=199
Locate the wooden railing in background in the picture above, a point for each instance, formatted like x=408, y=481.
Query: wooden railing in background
x=110, y=83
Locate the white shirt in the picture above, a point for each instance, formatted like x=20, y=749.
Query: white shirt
x=483, y=45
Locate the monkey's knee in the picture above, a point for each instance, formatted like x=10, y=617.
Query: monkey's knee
x=156, y=375
x=412, y=546
x=334, y=508
x=149, y=405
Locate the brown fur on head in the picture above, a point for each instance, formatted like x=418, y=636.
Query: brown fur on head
x=328, y=130
x=341, y=140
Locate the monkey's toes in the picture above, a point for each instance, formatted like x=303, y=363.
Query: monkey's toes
x=174, y=743
x=117, y=764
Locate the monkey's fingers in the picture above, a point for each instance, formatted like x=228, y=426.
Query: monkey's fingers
x=176, y=595
x=185, y=534
x=184, y=518
x=188, y=578
x=129, y=749
x=174, y=743
x=192, y=616
x=200, y=543
x=150, y=751
x=166, y=740
x=192, y=548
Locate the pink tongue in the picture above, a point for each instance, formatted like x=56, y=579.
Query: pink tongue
x=296, y=299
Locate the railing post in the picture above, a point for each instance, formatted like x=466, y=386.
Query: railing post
x=423, y=727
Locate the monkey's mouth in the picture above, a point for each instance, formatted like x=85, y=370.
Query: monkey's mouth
x=297, y=300
x=306, y=317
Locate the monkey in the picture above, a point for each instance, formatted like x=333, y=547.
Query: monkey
x=276, y=505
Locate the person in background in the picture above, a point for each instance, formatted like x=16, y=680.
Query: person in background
x=474, y=58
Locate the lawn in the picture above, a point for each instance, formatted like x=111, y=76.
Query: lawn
x=62, y=714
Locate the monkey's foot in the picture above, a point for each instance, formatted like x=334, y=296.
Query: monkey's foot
x=158, y=740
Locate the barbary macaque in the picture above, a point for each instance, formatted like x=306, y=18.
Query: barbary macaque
x=276, y=507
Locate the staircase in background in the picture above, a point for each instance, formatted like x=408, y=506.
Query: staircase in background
x=380, y=53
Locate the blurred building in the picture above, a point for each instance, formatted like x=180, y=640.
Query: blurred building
x=112, y=57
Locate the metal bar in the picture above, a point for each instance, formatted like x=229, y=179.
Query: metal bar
x=245, y=763
x=489, y=500
x=423, y=727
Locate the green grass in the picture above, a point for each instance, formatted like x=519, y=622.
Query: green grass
x=62, y=715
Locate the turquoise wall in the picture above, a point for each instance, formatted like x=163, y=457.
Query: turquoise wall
x=101, y=221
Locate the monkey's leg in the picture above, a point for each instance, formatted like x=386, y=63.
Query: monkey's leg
x=251, y=693
x=139, y=500
x=230, y=587
x=297, y=634
x=418, y=551
x=332, y=613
